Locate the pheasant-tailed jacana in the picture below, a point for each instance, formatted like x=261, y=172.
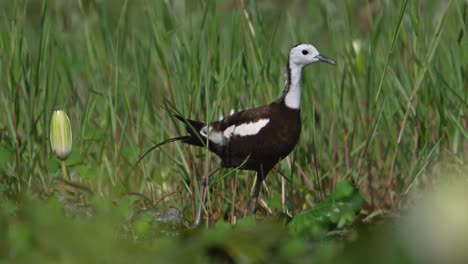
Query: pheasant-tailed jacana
x=257, y=139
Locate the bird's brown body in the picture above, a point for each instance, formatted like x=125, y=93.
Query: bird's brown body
x=259, y=152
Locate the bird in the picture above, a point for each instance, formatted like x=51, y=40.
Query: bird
x=257, y=139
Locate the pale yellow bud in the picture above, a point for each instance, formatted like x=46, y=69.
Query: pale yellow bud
x=60, y=135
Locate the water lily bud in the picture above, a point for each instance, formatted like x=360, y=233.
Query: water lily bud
x=60, y=135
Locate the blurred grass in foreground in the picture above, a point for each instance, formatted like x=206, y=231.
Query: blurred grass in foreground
x=433, y=231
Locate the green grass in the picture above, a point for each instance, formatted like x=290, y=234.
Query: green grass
x=395, y=105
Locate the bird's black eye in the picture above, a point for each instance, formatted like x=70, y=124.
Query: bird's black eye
x=305, y=52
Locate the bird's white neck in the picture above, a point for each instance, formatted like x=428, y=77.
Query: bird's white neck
x=292, y=97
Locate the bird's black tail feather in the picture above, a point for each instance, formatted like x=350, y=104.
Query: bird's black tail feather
x=193, y=128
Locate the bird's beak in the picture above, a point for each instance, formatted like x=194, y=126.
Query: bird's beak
x=325, y=59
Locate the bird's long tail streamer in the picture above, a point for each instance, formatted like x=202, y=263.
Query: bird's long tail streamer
x=174, y=139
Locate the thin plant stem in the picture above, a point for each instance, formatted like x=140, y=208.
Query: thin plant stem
x=64, y=170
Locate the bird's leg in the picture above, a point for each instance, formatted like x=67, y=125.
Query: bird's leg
x=258, y=185
x=256, y=192
x=203, y=189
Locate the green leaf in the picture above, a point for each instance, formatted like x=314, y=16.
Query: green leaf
x=339, y=209
x=52, y=164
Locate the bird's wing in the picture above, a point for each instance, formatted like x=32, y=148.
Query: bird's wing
x=243, y=123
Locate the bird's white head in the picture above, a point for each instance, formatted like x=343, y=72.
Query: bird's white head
x=305, y=54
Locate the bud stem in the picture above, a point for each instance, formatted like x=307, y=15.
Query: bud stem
x=64, y=170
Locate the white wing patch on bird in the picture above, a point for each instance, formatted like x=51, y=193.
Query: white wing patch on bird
x=251, y=128
x=222, y=137
x=228, y=132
